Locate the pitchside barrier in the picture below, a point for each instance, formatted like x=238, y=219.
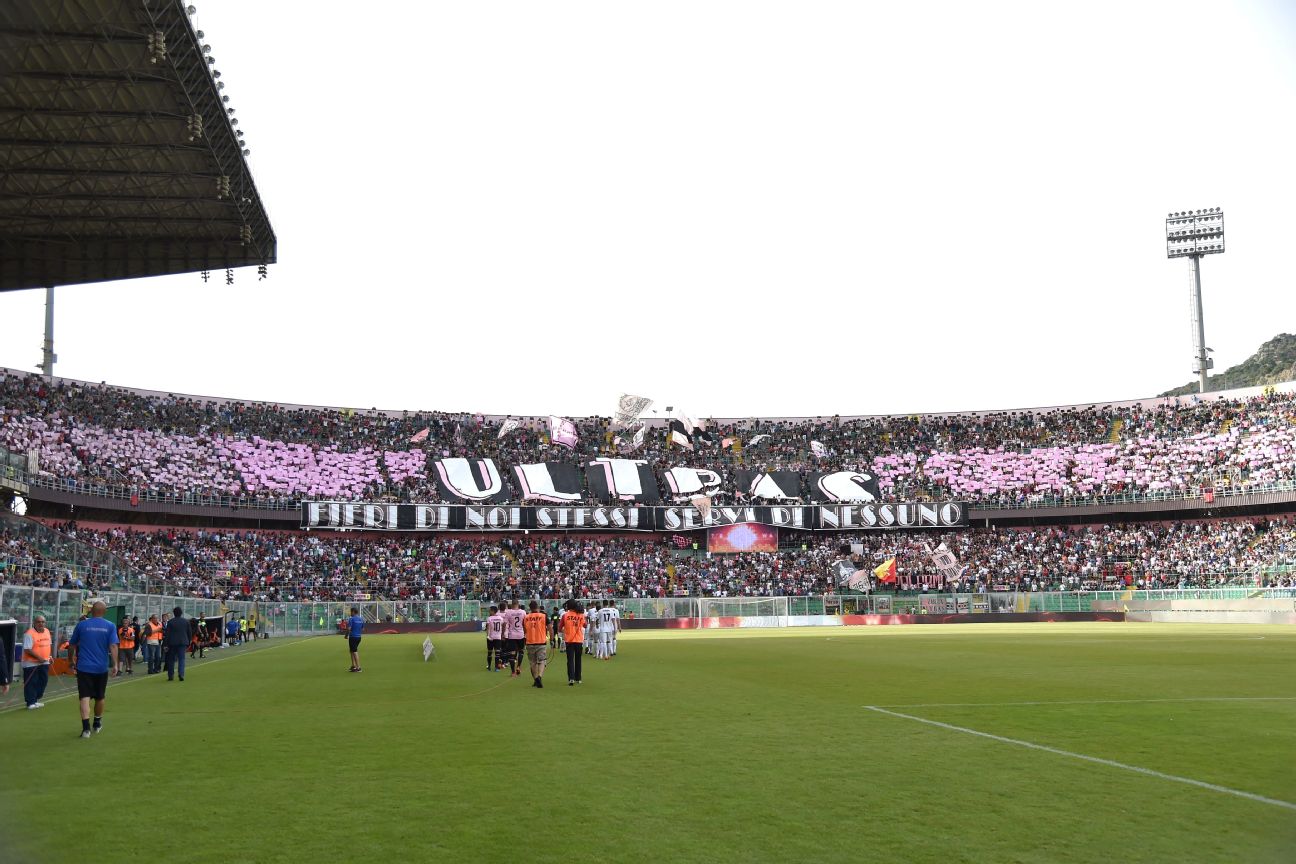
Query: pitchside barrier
x=63, y=607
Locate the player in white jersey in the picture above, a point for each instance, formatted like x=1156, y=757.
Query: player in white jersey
x=614, y=626
x=591, y=631
x=603, y=647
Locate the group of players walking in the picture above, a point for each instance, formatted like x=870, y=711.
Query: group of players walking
x=510, y=633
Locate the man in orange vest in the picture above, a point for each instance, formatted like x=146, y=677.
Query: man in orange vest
x=573, y=627
x=126, y=648
x=37, y=651
x=153, y=645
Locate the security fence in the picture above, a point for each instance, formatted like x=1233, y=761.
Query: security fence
x=62, y=608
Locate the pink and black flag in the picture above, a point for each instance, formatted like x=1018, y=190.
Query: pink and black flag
x=563, y=432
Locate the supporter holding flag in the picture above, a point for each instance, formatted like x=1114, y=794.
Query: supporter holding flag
x=419, y=437
x=506, y=427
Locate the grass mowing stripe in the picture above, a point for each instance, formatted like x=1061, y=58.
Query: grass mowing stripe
x=120, y=680
x=1091, y=702
x=1096, y=759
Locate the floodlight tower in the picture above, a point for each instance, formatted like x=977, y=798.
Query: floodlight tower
x=1191, y=234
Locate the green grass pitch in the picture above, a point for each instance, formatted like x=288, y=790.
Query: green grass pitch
x=721, y=746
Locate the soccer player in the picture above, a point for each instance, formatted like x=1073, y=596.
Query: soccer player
x=603, y=636
x=514, y=636
x=494, y=640
x=92, y=651
x=573, y=624
x=536, y=626
x=591, y=628
x=615, y=627
x=355, y=626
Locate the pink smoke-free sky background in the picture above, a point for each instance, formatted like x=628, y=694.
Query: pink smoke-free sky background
x=738, y=208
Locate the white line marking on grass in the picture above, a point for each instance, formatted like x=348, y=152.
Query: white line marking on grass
x=120, y=680
x=1092, y=702
x=1251, y=796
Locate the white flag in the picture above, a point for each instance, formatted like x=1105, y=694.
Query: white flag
x=703, y=505
x=756, y=440
x=428, y=650
x=629, y=409
x=818, y=449
x=945, y=562
x=508, y=426
x=563, y=432
x=639, y=436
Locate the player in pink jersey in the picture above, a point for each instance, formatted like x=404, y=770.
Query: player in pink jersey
x=514, y=636
x=494, y=640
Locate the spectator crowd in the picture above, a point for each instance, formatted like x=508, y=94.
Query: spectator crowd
x=255, y=452
x=300, y=566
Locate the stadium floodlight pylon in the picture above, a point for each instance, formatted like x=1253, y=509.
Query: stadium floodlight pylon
x=1191, y=234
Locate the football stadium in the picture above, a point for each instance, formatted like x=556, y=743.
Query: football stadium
x=1062, y=633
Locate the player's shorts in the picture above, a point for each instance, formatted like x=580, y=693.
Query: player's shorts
x=537, y=653
x=519, y=646
x=495, y=644
x=92, y=685
x=354, y=642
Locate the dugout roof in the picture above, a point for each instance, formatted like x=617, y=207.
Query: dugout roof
x=118, y=156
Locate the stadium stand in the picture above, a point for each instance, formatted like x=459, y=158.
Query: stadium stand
x=276, y=565
x=275, y=455
x=102, y=438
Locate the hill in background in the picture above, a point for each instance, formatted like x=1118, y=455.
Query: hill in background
x=1274, y=363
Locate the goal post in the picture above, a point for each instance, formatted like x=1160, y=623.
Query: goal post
x=762, y=611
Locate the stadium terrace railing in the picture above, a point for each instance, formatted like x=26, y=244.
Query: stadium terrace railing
x=1135, y=497
x=63, y=607
x=101, y=489
x=65, y=561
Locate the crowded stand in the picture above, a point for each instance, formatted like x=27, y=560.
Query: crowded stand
x=265, y=453
x=289, y=566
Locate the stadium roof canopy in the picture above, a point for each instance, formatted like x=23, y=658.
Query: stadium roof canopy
x=119, y=157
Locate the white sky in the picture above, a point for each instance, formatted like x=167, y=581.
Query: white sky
x=738, y=208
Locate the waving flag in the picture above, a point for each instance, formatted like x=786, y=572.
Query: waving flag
x=851, y=576
x=419, y=437
x=563, y=432
x=945, y=562
x=756, y=439
x=886, y=571
x=628, y=410
x=507, y=426
x=681, y=430
x=818, y=449
x=639, y=437
x=703, y=505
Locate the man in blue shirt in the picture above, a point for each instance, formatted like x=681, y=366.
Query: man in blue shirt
x=92, y=652
x=355, y=624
